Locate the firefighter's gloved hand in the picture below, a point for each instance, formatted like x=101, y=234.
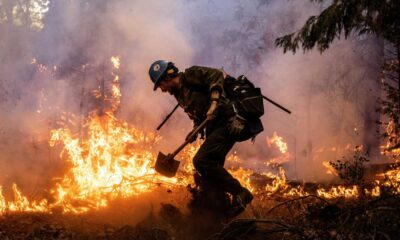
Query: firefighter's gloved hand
x=236, y=124
x=191, y=137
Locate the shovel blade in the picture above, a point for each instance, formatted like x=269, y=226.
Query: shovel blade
x=166, y=166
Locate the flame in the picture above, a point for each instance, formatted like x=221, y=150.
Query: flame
x=40, y=67
x=391, y=179
x=278, y=184
x=21, y=203
x=278, y=142
x=116, y=61
x=339, y=191
x=392, y=146
x=329, y=169
x=115, y=90
x=374, y=192
x=244, y=177
x=296, y=192
x=113, y=161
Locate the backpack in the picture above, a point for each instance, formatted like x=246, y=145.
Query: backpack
x=247, y=101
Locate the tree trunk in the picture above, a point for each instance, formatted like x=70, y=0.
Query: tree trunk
x=9, y=15
x=374, y=59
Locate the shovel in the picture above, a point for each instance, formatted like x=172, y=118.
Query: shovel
x=166, y=164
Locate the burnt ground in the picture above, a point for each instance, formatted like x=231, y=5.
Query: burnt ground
x=268, y=217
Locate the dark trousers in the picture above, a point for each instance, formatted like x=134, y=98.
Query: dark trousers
x=210, y=158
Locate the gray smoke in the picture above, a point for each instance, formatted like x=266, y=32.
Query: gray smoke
x=331, y=95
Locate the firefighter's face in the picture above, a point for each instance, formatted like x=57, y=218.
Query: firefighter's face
x=168, y=85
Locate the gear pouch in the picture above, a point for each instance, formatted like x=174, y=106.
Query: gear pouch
x=251, y=129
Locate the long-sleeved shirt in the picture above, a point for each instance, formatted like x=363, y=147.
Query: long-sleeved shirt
x=195, y=86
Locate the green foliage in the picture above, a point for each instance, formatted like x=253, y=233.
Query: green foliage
x=352, y=170
x=343, y=17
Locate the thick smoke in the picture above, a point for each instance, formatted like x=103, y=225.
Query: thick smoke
x=331, y=95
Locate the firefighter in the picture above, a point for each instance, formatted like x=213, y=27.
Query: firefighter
x=200, y=92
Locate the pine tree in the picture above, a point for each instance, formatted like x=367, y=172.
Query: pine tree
x=380, y=17
x=342, y=18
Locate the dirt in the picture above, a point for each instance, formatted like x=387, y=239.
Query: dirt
x=173, y=214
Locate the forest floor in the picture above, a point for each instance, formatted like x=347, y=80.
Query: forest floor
x=165, y=215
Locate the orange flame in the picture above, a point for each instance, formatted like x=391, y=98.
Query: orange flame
x=339, y=191
x=277, y=141
x=329, y=169
x=116, y=61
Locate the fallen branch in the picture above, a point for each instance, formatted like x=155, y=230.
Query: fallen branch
x=293, y=200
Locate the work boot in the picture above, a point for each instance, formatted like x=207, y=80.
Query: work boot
x=240, y=201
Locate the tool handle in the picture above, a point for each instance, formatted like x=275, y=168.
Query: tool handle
x=196, y=131
x=277, y=105
x=167, y=117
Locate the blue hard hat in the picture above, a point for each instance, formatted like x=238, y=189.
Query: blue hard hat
x=157, y=71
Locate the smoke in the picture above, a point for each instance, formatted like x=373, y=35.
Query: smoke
x=332, y=95
x=329, y=94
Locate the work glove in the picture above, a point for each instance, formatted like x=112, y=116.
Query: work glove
x=236, y=124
